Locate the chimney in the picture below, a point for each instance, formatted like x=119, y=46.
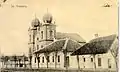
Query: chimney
x=96, y=35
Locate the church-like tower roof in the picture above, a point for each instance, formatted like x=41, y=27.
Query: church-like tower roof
x=73, y=36
x=35, y=22
x=47, y=18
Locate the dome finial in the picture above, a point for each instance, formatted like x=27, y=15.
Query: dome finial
x=35, y=21
x=47, y=18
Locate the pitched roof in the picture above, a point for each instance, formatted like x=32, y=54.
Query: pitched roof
x=72, y=46
x=54, y=46
x=73, y=36
x=59, y=45
x=96, y=46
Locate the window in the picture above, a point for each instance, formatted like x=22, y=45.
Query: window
x=41, y=46
x=67, y=61
x=53, y=59
x=91, y=59
x=41, y=34
x=38, y=59
x=48, y=59
x=99, y=61
x=30, y=38
x=42, y=59
x=37, y=38
x=84, y=59
x=51, y=33
x=35, y=59
x=37, y=47
x=109, y=63
x=58, y=58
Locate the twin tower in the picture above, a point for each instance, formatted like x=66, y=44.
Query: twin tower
x=41, y=33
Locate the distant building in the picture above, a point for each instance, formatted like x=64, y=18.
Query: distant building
x=14, y=61
x=49, y=48
x=105, y=50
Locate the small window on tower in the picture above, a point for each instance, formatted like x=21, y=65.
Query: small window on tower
x=41, y=34
x=37, y=47
x=41, y=46
x=51, y=33
x=30, y=37
x=37, y=38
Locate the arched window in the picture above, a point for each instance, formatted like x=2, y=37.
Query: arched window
x=41, y=46
x=37, y=38
x=30, y=37
x=41, y=34
x=51, y=32
x=37, y=47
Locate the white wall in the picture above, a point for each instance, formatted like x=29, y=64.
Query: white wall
x=73, y=61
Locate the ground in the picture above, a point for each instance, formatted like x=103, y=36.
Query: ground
x=54, y=70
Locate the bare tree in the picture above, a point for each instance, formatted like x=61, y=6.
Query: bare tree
x=6, y=60
x=15, y=59
x=114, y=52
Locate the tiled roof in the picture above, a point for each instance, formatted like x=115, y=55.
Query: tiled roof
x=96, y=46
x=72, y=46
x=55, y=46
x=73, y=36
x=59, y=45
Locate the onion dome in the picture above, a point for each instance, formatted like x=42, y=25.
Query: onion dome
x=47, y=18
x=35, y=22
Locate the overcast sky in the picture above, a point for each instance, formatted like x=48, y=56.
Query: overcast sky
x=85, y=17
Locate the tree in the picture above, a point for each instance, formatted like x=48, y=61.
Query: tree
x=2, y=59
x=15, y=59
x=6, y=60
x=114, y=51
x=24, y=60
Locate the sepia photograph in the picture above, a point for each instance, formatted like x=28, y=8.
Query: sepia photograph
x=59, y=36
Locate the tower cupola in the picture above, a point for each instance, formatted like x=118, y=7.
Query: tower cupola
x=47, y=18
x=35, y=22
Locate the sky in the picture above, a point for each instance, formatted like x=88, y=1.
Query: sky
x=85, y=17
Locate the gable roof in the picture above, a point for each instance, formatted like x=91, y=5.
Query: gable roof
x=96, y=46
x=73, y=36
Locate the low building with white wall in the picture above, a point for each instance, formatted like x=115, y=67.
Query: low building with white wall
x=51, y=49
